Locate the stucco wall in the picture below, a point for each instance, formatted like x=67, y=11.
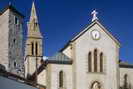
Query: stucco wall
x=68, y=51
x=54, y=70
x=42, y=78
x=82, y=46
x=129, y=72
x=105, y=44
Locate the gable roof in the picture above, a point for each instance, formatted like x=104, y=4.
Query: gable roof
x=86, y=29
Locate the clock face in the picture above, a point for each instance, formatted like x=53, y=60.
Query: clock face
x=95, y=34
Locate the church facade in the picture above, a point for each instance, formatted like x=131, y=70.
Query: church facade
x=88, y=61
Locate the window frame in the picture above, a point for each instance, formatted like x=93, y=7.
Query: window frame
x=101, y=62
x=90, y=62
x=61, y=79
x=95, y=60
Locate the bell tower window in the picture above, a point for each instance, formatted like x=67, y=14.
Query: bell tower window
x=32, y=48
x=36, y=48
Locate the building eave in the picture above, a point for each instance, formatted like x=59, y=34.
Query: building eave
x=100, y=25
x=86, y=29
x=12, y=8
x=58, y=62
x=126, y=66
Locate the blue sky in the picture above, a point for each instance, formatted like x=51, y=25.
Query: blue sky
x=60, y=20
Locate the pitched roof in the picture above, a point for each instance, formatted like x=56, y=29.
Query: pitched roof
x=86, y=29
x=33, y=13
x=59, y=57
x=11, y=8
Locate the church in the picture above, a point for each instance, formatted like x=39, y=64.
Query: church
x=90, y=60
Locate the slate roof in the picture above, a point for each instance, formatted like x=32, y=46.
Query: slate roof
x=59, y=58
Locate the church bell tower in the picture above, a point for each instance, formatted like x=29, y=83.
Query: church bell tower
x=33, y=47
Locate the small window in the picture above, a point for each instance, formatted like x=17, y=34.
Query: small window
x=90, y=62
x=95, y=60
x=61, y=79
x=35, y=23
x=101, y=62
x=16, y=21
x=14, y=40
x=32, y=48
x=125, y=81
x=15, y=64
x=36, y=48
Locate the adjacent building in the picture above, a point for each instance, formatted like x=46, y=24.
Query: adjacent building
x=11, y=39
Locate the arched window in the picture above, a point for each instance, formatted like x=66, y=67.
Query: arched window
x=96, y=85
x=101, y=62
x=95, y=60
x=32, y=48
x=90, y=62
x=36, y=48
x=125, y=81
x=61, y=79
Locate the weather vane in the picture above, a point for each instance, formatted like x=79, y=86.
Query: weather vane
x=94, y=15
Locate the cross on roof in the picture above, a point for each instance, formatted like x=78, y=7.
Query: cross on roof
x=94, y=13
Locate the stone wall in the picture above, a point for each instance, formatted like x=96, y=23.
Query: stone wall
x=11, y=39
x=16, y=43
x=4, y=30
